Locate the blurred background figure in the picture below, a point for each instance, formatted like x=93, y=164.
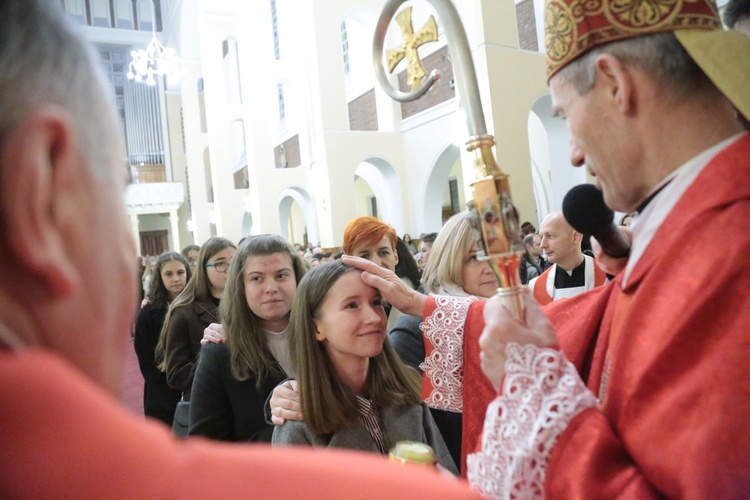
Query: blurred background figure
x=407, y=268
x=190, y=253
x=527, y=228
x=409, y=243
x=425, y=246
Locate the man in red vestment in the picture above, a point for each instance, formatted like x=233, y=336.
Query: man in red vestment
x=637, y=388
x=66, y=305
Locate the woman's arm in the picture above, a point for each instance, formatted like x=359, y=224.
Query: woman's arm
x=291, y=433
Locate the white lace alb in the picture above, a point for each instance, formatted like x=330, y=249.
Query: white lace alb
x=542, y=392
x=444, y=328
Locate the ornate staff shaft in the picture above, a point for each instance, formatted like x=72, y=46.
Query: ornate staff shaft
x=496, y=217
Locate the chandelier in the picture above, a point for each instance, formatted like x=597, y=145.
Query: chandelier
x=155, y=59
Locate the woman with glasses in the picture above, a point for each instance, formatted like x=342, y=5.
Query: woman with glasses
x=192, y=311
x=171, y=274
x=234, y=379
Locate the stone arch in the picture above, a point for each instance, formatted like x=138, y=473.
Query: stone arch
x=304, y=199
x=433, y=195
x=549, y=144
x=384, y=181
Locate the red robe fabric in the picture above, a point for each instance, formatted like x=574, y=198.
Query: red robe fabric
x=668, y=354
x=62, y=437
x=674, y=415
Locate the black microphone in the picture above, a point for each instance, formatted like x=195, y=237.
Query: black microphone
x=584, y=209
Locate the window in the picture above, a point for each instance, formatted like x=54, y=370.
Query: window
x=345, y=47
x=282, y=105
x=275, y=28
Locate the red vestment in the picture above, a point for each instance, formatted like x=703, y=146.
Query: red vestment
x=667, y=356
x=63, y=437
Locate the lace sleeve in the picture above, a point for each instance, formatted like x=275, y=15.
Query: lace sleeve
x=542, y=392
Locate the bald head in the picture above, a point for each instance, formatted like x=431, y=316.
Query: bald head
x=561, y=242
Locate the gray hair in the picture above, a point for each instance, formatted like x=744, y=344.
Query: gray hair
x=660, y=55
x=44, y=62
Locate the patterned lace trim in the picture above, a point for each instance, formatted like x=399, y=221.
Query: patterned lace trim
x=444, y=328
x=542, y=392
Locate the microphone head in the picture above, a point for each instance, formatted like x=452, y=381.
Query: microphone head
x=584, y=209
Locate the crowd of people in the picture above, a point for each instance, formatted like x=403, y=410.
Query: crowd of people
x=623, y=377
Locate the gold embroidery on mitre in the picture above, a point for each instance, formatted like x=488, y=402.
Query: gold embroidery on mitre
x=574, y=26
x=639, y=15
x=560, y=31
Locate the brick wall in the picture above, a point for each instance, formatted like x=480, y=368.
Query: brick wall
x=291, y=153
x=526, y=25
x=440, y=92
x=363, y=114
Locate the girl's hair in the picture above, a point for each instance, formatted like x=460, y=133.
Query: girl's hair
x=249, y=353
x=327, y=403
x=447, y=255
x=366, y=231
x=198, y=289
x=158, y=295
x=407, y=267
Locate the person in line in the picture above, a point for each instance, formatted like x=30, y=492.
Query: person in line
x=148, y=273
x=454, y=271
x=425, y=246
x=407, y=268
x=572, y=272
x=647, y=373
x=235, y=377
x=409, y=243
x=192, y=311
x=354, y=391
x=374, y=240
x=171, y=274
x=190, y=253
x=63, y=336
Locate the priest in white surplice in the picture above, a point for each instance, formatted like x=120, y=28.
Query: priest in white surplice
x=573, y=272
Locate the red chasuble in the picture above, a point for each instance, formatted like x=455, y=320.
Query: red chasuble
x=649, y=394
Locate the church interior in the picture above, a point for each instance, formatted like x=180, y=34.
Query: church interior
x=266, y=117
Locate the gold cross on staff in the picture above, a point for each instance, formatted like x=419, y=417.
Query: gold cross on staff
x=408, y=49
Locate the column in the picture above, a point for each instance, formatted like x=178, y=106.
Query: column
x=136, y=234
x=175, y=219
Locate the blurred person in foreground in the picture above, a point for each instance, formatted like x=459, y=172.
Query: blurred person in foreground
x=63, y=336
x=635, y=389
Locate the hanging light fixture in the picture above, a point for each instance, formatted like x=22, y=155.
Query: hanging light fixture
x=155, y=59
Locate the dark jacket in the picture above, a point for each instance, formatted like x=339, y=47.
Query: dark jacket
x=183, y=344
x=159, y=400
x=408, y=342
x=225, y=408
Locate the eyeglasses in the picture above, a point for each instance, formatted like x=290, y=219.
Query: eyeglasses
x=221, y=267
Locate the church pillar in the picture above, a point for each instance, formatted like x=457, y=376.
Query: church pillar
x=174, y=219
x=136, y=234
